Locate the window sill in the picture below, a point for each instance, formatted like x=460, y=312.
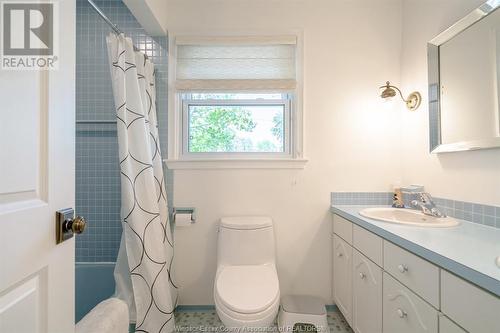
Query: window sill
x=199, y=164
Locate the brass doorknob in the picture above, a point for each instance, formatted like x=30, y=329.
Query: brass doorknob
x=67, y=226
x=77, y=225
x=74, y=226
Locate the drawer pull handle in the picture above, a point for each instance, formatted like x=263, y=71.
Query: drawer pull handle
x=402, y=268
x=401, y=313
x=362, y=276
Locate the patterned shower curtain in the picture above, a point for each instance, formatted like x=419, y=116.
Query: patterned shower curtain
x=144, y=265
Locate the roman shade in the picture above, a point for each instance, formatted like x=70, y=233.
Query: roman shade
x=235, y=63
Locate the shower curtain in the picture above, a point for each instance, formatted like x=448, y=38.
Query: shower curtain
x=144, y=264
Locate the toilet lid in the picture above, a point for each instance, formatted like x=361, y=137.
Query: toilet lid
x=247, y=289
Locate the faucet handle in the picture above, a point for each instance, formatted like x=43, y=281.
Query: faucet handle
x=437, y=213
x=425, y=197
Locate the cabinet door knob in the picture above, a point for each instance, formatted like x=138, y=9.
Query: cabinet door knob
x=403, y=268
x=401, y=313
x=339, y=254
x=362, y=275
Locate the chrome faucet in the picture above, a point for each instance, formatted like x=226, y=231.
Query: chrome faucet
x=426, y=205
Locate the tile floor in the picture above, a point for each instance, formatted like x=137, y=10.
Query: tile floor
x=207, y=321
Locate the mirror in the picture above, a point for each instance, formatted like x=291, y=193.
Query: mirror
x=464, y=83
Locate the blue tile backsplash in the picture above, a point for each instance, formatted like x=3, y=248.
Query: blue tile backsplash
x=361, y=198
x=97, y=168
x=477, y=213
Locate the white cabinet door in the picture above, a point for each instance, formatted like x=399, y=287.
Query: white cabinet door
x=37, y=134
x=367, y=295
x=403, y=311
x=342, y=277
x=482, y=314
x=447, y=326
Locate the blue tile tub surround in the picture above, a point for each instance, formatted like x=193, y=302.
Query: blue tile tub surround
x=97, y=165
x=94, y=282
x=468, y=211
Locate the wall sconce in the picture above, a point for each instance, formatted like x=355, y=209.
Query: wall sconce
x=412, y=102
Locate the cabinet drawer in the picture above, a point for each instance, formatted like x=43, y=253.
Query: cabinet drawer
x=419, y=275
x=342, y=277
x=470, y=307
x=447, y=326
x=368, y=243
x=403, y=311
x=342, y=228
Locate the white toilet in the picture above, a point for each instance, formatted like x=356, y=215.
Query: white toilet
x=246, y=289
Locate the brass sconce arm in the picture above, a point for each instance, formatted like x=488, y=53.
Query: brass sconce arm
x=412, y=102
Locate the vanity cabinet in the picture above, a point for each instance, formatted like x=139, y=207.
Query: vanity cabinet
x=381, y=287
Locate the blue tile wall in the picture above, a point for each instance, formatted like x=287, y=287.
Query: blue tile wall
x=361, y=198
x=477, y=213
x=97, y=168
x=472, y=212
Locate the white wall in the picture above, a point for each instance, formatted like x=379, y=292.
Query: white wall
x=351, y=137
x=469, y=176
x=151, y=14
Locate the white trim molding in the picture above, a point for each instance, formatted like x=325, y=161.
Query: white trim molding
x=200, y=164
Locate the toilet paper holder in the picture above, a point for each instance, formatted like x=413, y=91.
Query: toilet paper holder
x=185, y=211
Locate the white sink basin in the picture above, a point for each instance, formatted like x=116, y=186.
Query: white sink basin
x=408, y=217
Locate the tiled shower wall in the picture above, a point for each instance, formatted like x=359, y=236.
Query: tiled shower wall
x=97, y=168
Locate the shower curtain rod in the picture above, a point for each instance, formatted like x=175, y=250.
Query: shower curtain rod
x=113, y=26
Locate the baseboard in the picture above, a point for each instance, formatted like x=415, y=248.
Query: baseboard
x=195, y=308
x=332, y=308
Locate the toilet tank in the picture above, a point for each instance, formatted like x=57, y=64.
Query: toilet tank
x=245, y=240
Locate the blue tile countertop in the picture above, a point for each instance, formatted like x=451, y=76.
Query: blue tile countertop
x=468, y=250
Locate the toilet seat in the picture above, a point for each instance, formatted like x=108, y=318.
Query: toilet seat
x=247, y=290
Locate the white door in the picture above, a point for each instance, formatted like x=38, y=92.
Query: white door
x=367, y=295
x=37, y=132
x=342, y=277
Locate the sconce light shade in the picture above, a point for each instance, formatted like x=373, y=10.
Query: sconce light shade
x=412, y=102
x=388, y=92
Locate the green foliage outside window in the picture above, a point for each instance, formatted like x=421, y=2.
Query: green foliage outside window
x=214, y=129
x=218, y=128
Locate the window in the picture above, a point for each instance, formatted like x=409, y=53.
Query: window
x=235, y=98
x=236, y=123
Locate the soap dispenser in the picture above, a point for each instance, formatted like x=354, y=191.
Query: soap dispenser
x=397, y=198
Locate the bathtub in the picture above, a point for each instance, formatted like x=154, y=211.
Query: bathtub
x=94, y=282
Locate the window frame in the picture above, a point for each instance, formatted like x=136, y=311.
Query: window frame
x=177, y=160
x=287, y=129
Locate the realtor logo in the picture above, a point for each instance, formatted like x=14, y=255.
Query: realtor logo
x=28, y=35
